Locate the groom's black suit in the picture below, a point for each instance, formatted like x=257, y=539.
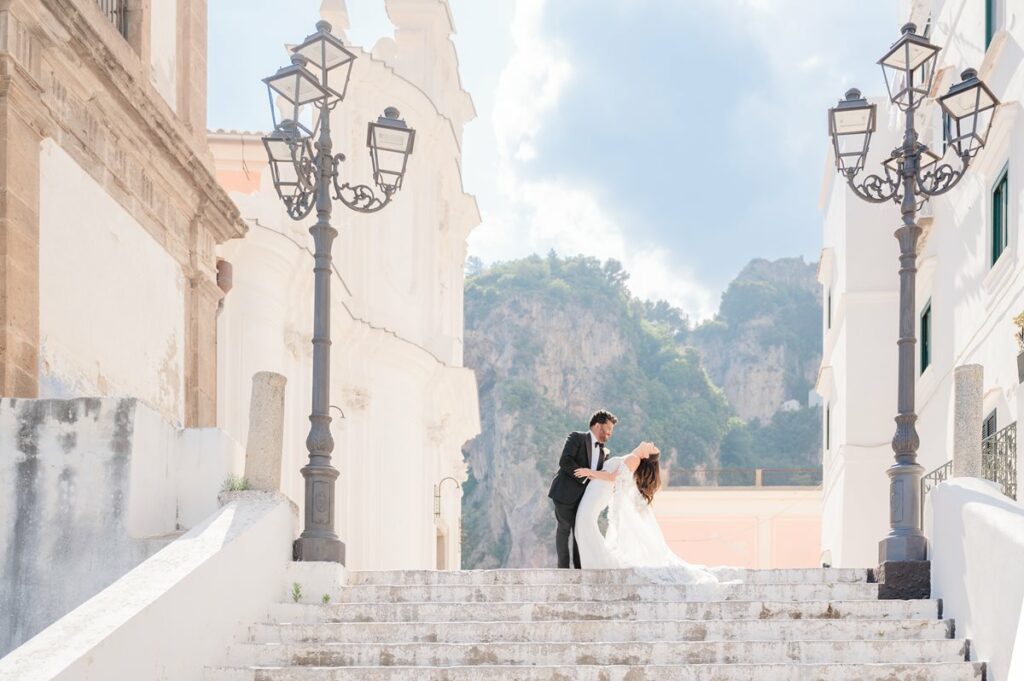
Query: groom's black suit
x=567, y=491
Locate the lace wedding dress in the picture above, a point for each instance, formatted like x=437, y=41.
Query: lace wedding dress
x=633, y=539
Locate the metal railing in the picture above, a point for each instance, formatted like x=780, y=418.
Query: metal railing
x=931, y=480
x=116, y=12
x=744, y=477
x=999, y=459
x=998, y=464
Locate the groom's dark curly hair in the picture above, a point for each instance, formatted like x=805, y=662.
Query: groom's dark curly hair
x=603, y=416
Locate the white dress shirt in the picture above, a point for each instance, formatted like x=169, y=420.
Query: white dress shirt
x=595, y=453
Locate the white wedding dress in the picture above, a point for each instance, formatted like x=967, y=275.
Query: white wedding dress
x=634, y=539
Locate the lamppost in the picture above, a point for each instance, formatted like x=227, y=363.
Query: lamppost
x=910, y=176
x=305, y=172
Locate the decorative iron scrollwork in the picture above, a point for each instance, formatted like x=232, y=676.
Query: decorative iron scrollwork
x=360, y=198
x=299, y=204
x=874, y=188
x=941, y=178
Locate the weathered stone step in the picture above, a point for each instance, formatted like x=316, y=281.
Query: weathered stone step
x=603, y=611
x=590, y=630
x=546, y=593
x=945, y=671
x=622, y=653
x=629, y=576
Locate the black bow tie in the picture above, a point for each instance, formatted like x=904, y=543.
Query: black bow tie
x=601, y=445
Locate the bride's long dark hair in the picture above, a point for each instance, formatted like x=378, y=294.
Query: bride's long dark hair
x=648, y=477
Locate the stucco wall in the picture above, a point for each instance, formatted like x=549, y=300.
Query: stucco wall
x=977, y=543
x=163, y=49
x=743, y=527
x=88, y=489
x=144, y=626
x=111, y=299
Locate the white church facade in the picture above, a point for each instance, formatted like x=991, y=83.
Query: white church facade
x=149, y=271
x=402, y=402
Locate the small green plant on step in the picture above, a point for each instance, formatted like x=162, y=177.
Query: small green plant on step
x=326, y=598
x=296, y=591
x=235, y=483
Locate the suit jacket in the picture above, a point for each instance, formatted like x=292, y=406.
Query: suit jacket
x=566, y=488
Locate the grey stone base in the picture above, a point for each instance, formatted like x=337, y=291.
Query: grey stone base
x=904, y=579
x=317, y=549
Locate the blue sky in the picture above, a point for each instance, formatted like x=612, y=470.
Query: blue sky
x=682, y=137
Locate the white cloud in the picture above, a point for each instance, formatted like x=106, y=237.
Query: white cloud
x=535, y=216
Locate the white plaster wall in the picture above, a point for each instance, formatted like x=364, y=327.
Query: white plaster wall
x=235, y=562
x=90, y=487
x=163, y=46
x=977, y=537
x=111, y=300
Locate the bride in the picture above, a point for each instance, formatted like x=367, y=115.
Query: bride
x=626, y=486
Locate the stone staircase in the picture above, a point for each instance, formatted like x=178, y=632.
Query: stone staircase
x=607, y=625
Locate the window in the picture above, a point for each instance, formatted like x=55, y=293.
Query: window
x=828, y=312
x=828, y=427
x=1000, y=215
x=994, y=11
x=926, y=336
x=116, y=13
x=988, y=426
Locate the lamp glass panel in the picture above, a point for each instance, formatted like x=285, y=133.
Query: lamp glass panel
x=966, y=102
x=846, y=121
x=324, y=53
x=278, y=149
x=286, y=173
x=390, y=161
x=337, y=78
x=391, y=139
x=297, y=86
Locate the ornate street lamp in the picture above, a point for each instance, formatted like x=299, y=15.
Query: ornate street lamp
x=306, y=175
x=911, y=175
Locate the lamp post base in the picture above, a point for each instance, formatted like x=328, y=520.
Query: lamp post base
x=904, y=579
x=909, y=547
x=310, y=549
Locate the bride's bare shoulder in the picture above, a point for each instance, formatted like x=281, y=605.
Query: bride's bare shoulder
x=631, y=461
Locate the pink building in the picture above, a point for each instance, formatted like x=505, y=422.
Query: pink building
x=750, y=527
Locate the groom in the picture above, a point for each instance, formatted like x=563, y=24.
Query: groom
x=581, y=450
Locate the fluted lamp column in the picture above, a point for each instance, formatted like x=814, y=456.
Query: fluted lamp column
x=307, y=176
x=910, y=176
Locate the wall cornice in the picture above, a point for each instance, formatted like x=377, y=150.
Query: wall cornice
x=90, y=37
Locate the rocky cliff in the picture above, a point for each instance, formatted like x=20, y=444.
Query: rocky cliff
x=764, y=345
x=553, y=339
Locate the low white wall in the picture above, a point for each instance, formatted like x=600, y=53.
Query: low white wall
x=89, y=488
x=175, y=614
x=977, y=548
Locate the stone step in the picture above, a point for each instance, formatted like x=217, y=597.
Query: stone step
x=547, y=593
x=576, y=653
x=604, y=611
x=630, y=576
x=945, y=671
x=587, y=630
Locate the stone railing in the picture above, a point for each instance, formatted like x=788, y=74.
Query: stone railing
x=999, y=459
x=117, y=12
x=744, y=477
